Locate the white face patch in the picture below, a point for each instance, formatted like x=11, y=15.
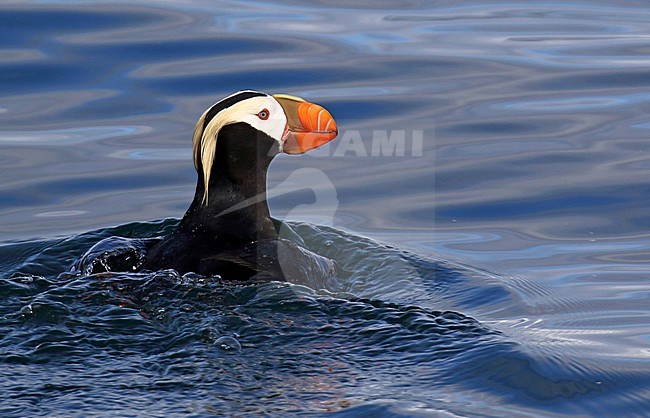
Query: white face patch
x=263, y=113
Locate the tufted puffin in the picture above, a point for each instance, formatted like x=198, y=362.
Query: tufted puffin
x=227, y=230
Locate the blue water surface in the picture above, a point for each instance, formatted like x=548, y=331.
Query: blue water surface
x=496, y=252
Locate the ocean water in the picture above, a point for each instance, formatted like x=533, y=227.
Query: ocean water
x=487, y=198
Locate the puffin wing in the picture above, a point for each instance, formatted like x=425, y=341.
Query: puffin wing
x=301, y=266
x=276, y=259
x=253, y=261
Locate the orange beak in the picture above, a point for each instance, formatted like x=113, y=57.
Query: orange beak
x=308, y=125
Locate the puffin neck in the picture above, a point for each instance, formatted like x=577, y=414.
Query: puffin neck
x=236, y=208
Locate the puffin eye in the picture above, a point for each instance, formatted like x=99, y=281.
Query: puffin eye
x=264, y=114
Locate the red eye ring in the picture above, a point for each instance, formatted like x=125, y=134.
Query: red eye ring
x=264, y=114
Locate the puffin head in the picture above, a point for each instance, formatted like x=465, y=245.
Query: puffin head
x=258, y=125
